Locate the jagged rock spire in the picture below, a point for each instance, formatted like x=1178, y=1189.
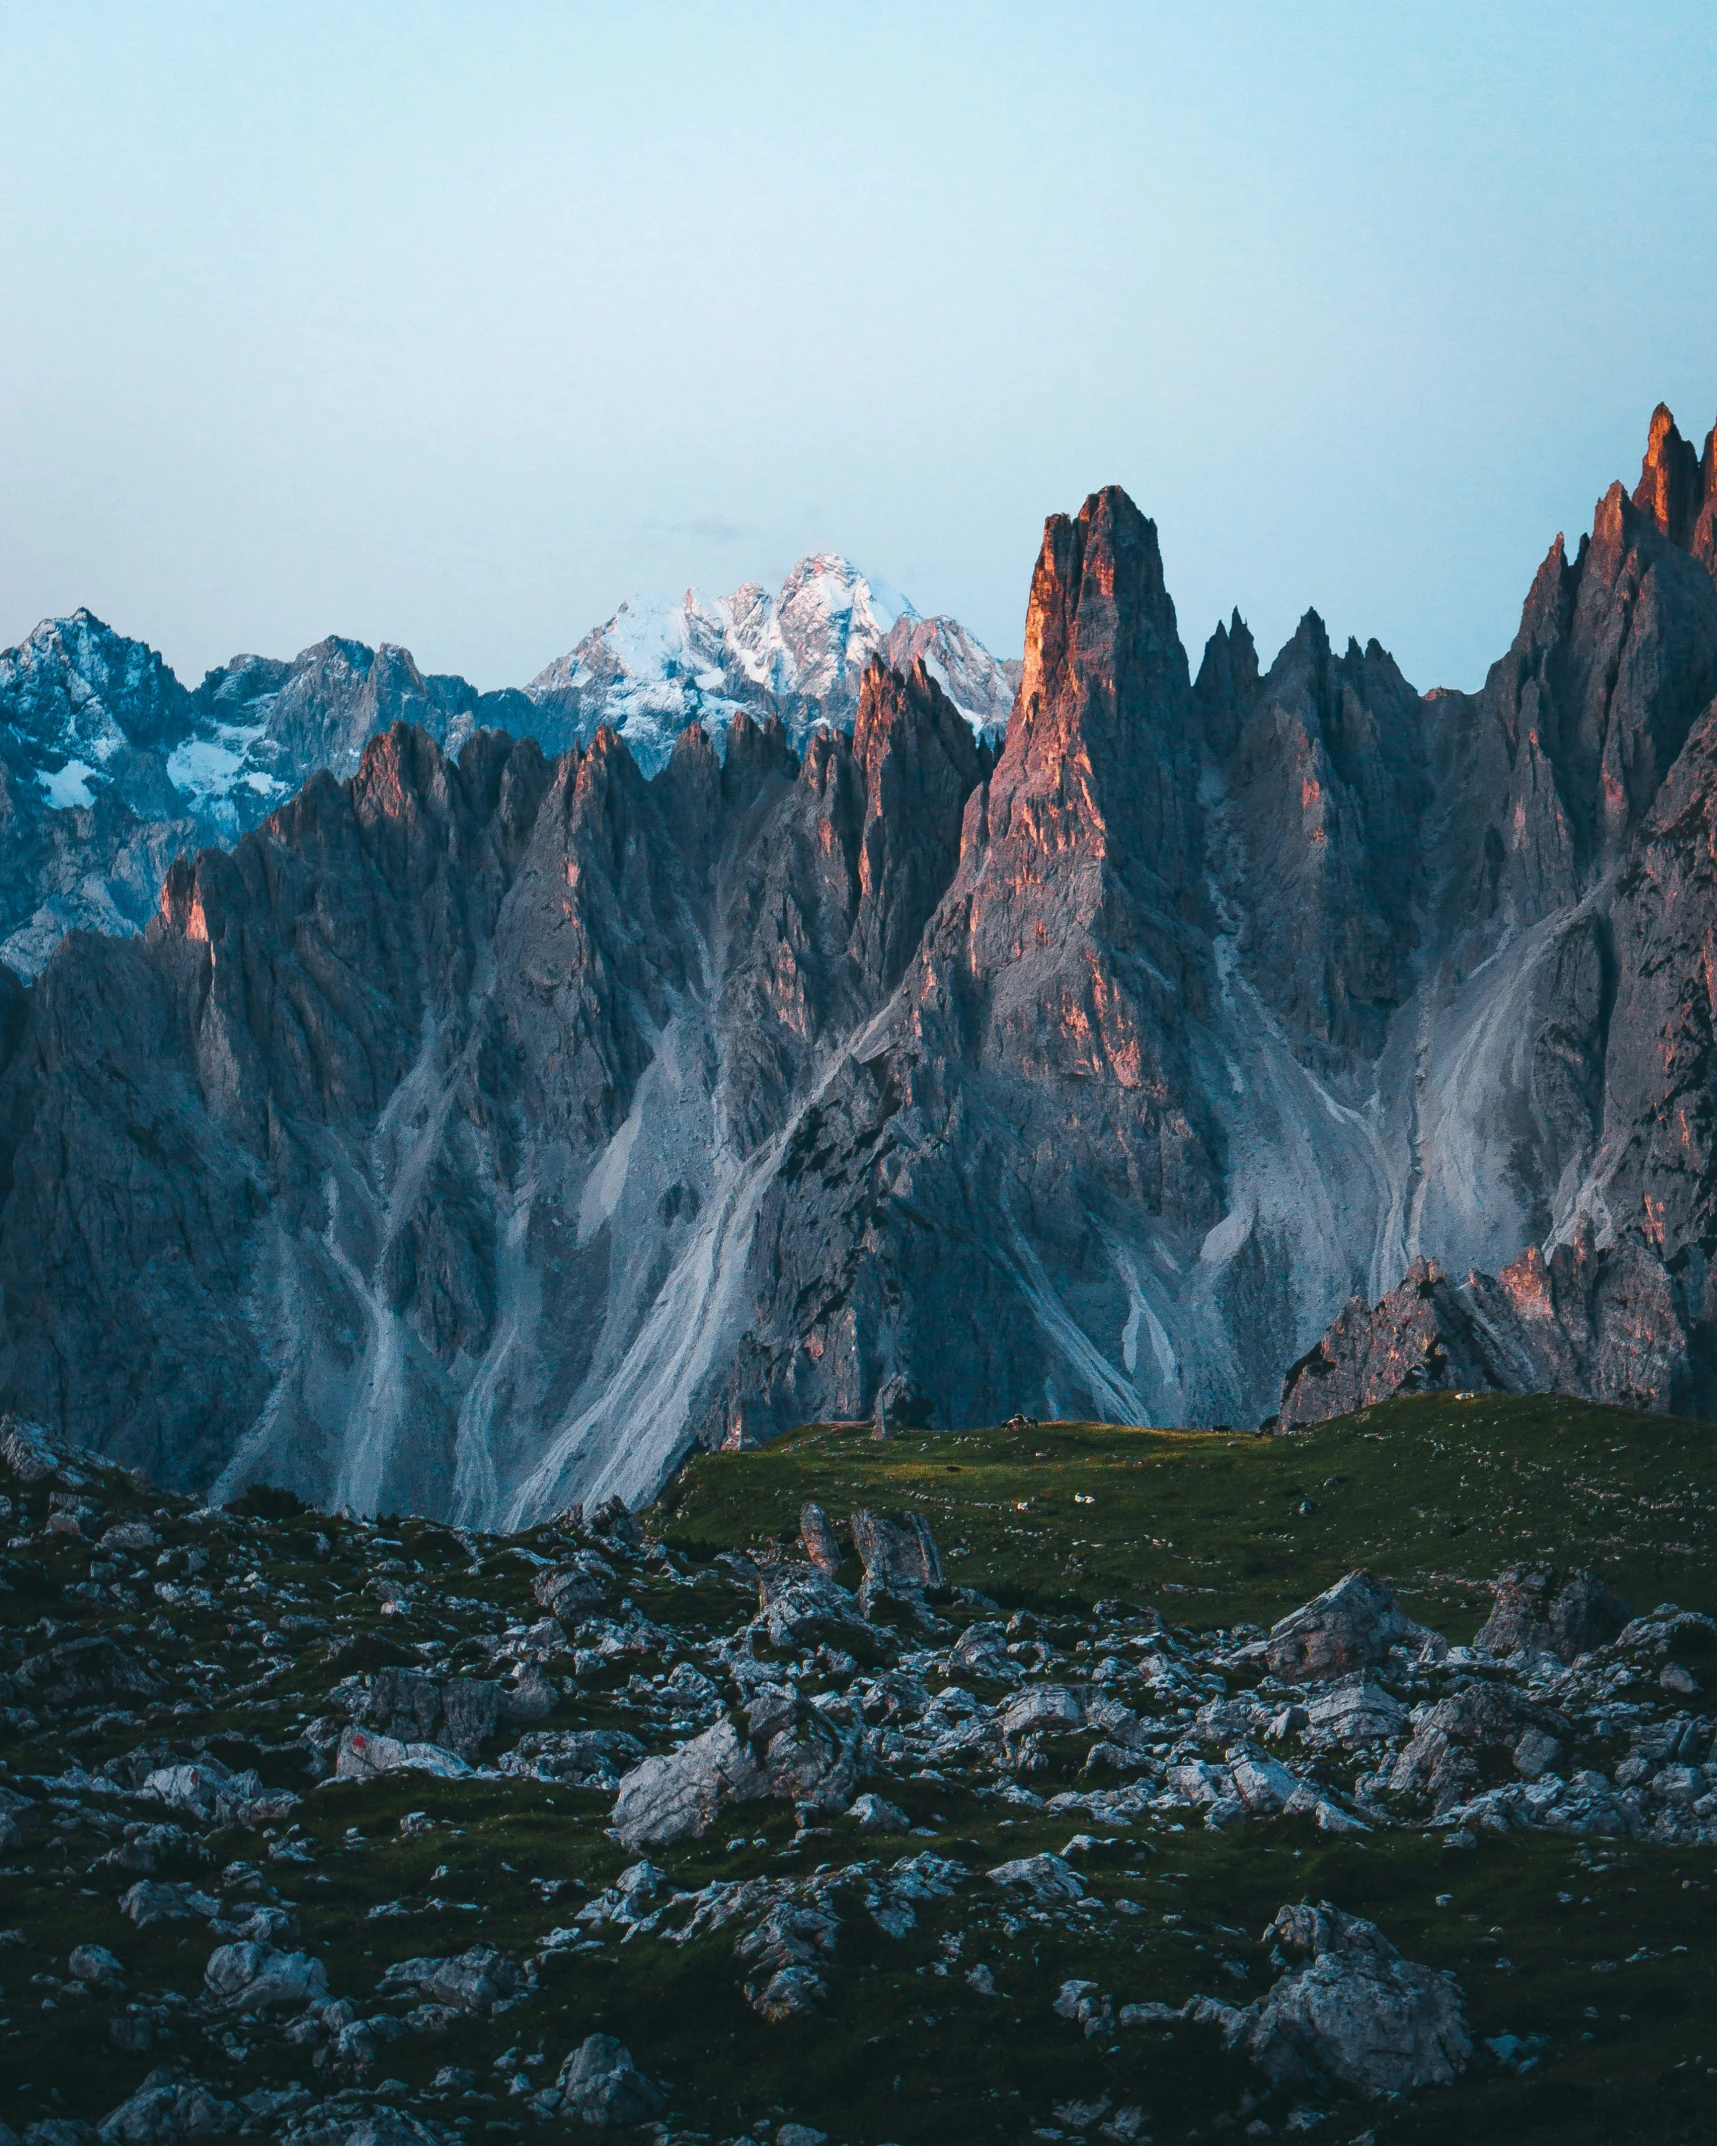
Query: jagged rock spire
x=1669, y=487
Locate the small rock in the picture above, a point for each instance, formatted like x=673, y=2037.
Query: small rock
x=1264, y=1785
x=1085, y=2004
x=1536, y=1753
x=788, y=1995
x=130, y=1535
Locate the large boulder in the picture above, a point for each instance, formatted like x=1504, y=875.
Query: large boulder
x=817, y=1533
x=81, y=1669
x=458, y=1714
x=164, y=2111
x=1354, y=2013
x=248, y=1977
x=364, y=1753
x=677, y=1796
x=1452, y=1739
x=900, y=1558
x=604, y=2088
x=474, y=1981
x=1354, y=1712
x=27, y=1448
x=1046, y=1709
x=1044, y=1877
x=204, y=1787
x=148, y=1902
x=1350, y=1626
x=584, y=1583
x=1540, y=1610
x=788, y=1749
x=807, y=1759
x=803, y=1607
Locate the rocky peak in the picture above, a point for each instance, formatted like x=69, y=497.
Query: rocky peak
x=1669, y=487
x=1099, y=751
x=80, y=691
x=800, y=653
x=919, y=764
x=1324, y=789
x=1226, y=689
x=1615, y=657
x=1704, y=544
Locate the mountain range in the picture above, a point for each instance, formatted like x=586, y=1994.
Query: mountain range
x=508, y=1110
x=110, y=767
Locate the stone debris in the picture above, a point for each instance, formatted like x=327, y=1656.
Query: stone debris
x=582, y=1758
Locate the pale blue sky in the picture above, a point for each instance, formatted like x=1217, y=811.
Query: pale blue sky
x=452, y=325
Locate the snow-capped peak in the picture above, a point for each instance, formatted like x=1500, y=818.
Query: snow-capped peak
x=655, y=667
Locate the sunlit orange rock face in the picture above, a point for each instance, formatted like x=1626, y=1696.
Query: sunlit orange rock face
x=1678, y=489
x=479, y=1131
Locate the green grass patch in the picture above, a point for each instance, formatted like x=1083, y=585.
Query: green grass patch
x=1436, y=1493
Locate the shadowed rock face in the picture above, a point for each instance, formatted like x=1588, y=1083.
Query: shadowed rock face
x=477, y=1132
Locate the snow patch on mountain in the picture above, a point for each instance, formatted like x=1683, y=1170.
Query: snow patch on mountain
x=68, y=787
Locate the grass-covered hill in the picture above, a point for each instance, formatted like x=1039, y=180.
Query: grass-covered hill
x=181, y=1689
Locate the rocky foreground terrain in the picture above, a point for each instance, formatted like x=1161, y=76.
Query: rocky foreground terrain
x=856, y=1794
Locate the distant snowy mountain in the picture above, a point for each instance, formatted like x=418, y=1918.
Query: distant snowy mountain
x=109, y=767
x=655, y=667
